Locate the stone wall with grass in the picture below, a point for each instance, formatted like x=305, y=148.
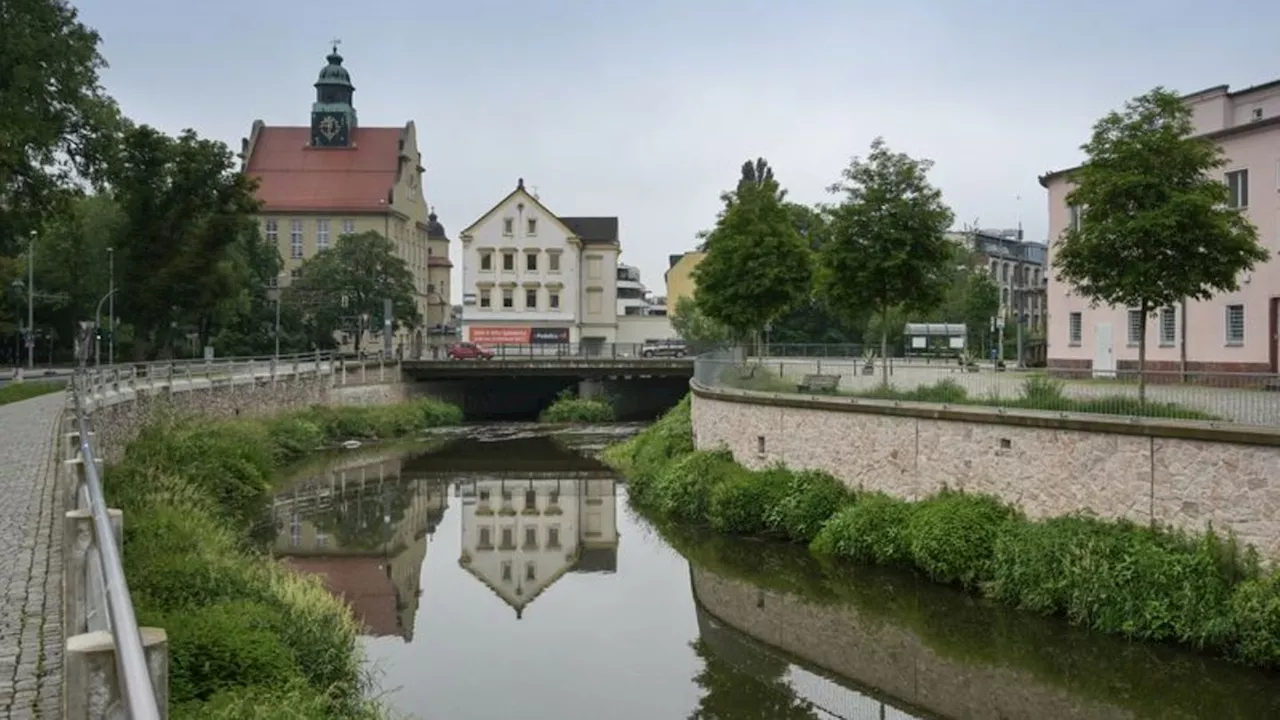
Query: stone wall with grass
x=1183, y=474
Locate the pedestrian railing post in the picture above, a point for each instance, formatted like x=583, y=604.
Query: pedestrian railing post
x=84, y=602
x=92, y=678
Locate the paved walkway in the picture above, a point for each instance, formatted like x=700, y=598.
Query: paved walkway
x=30, y=574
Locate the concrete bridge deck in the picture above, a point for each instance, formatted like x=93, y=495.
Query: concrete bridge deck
x=581, y=367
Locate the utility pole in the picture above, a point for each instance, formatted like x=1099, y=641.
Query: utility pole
x=111, y=306
x=31, y=298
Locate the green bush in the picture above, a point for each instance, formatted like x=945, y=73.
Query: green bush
x=953, y=536
x=248, y=638
x=811, y=498
x=1255, y=609
x=570, y=409
x=683, y=490
x=642, y=458
x=871, y=530
x=740, y=503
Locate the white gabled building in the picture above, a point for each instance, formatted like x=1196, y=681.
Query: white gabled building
x=531, y=277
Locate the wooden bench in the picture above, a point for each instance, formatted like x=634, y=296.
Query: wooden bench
x=819, y=383
x=746, y=372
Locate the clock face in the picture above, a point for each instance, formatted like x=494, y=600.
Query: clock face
x=329, y=127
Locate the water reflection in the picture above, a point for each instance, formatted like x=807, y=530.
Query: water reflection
x=676, y=624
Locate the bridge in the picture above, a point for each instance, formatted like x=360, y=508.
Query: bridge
x=582, y=368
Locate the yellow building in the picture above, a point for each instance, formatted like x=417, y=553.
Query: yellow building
x=335, y=177
x=679, y=277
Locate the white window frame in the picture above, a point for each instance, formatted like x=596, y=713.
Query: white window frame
x=1168, y=322
x=295, y=239
x=1075, y=217
x=486, y=299
x=527, y=292
x=1238, y=197
x=531, y=226
x=1075, y=328
x=508, y=226
x=1131, y=326
x=322, y=234
x=553, y=262
x=553, y=300
x=273, y=230
x=1226, y=320
x=348, y=227
x=508, y=299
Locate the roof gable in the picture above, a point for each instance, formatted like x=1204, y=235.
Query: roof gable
x=526, y=196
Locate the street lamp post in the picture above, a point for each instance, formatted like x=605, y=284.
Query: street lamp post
x=97, y=325
x=31, y=297
x=111, y=307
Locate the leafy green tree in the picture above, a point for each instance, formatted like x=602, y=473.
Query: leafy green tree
x=57, y=123
x=757, y=266
x=246, y=318
x=1156, y=225
x=351, y=279
x=754, y=176
x=186, y=207
x=73, y=262
x=695, y=327
x=972, y=297
x=751, y=687
x=886, y=246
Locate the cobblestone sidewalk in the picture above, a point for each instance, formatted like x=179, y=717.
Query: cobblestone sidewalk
x=30, y=562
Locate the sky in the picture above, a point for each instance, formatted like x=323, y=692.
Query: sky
x=646, y=111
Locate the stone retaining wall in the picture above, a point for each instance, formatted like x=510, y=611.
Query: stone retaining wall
x=884, y=656
x=1177, y=473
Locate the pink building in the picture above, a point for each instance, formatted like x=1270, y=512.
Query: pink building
x=1235, y=332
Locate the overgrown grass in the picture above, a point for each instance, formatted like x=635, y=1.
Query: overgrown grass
x=247, y=637
x=568, y=408
x=1203, y=591
x=18, y=391
x=1036, y=392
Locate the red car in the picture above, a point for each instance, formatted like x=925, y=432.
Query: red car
x=469, y=351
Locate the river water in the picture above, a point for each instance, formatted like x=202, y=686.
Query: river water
x=500, y=573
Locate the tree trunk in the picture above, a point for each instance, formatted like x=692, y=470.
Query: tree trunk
x=884, y=352
x=1142, y=354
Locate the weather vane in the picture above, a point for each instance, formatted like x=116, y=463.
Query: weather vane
x=336, y=42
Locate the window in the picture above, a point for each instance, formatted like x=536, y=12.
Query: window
x=531, y=262
x=295, y=239
x=1074, y=328
x=1238, y=189
x=273, y=232
x=322, y=234
x=506, y=571
x=484, y=300
x=555, y=497
x=348, y=227
x=553, y=262
x=531, y=299
x=531, y=538
x=1168, y=326
x=486, y=261
x=530, y=572
x=530, y=499
x=595, y=301
x=1235, y=324
x=486, y=537
x=508, y=261
x=508, y=299
x=484, y=496
x=295, y=273
x=508, y=538
x=532, y=226
x=553, y=538
x=1074, y=217
x=553, y=300
x=1136, y=326
x=506, y=495
x=507, y=224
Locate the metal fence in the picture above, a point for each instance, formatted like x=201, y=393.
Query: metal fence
x=96, y=380
x=619, y=351
x=1244, y=398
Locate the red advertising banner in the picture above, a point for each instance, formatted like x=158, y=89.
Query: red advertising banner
x=499, y=335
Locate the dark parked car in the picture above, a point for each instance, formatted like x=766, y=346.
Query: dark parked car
x=469, y=351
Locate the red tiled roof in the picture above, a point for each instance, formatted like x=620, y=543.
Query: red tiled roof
x=362, y=583
x=292, y=176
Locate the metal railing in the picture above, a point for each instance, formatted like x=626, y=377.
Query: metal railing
x=553, y=351
x=167, y=373
x=1243, y=398
x=111, y=663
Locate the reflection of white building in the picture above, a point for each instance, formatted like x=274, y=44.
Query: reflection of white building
x=521, y=532
x=633, y=297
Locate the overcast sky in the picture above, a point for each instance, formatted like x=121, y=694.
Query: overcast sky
x=646, y=110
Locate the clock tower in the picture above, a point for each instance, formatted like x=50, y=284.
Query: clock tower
x=333, y=117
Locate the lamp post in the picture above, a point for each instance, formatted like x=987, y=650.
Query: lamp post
x=275, y=293
x=111, y=307
x=97, y=325
x=31, y=296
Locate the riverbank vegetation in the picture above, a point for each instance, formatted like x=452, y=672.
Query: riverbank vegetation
x=247, y=637
x=1143, y=583
x=18, y=391
x=568, y=408
x=1036, y=392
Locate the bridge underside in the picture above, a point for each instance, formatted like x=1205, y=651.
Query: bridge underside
x=522, y=397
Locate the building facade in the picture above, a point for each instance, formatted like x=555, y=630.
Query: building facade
x=336, y=177
x=679, y=278
x=1233, y=332
x=634, y=299
x=1016, y=266
x=533, y=278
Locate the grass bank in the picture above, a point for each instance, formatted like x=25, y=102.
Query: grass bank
x=569, y=408
x=17, y=391
x=1134, y=581
x=248, y=639
x=1036, y=392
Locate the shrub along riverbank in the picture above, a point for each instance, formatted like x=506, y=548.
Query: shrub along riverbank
x=247, y=638
x=569, y=408
x=1134, y=581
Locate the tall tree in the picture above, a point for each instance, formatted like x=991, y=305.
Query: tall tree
x=186, y=206
x=73, y=263
x=757, y=266
x=754, y=176
x=1156, y=223
x=972, y=297
x=57, y=122
x=886, y=246
x=695, y=327
x=350, y=280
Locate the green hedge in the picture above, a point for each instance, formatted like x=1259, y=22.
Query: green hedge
x=247, y=637
x=1116, y=577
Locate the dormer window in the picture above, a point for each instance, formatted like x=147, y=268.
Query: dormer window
x=532, y=227
x=508, y=226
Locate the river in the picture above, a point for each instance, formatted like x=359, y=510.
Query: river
x=478, y=608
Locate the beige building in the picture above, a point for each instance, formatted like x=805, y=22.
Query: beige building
x=335, y=177
x=679, y=277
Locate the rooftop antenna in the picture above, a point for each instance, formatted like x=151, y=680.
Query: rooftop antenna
x=1018, y=200
x=533, y=190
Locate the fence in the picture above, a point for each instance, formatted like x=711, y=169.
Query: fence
x=1244, y=398
x=169, y=373
x=615, y=351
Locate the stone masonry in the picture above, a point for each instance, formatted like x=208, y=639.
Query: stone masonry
x=30, y=574
x=1184, y=475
